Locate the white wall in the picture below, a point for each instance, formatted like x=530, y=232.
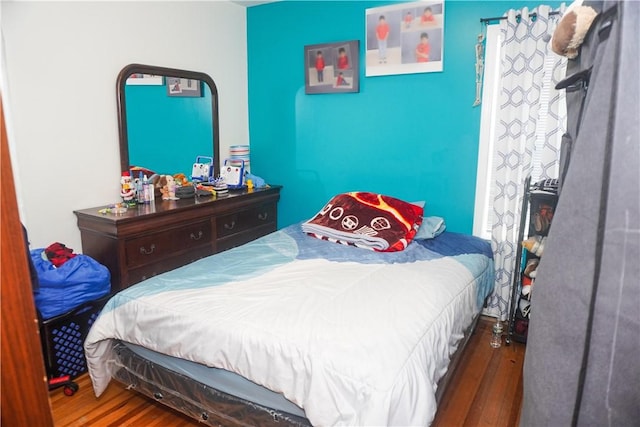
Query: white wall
x=62, y=59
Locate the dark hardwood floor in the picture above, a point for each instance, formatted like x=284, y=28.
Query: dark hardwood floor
x=486, y=390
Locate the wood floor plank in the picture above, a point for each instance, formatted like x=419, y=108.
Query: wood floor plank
x=481, y=373
x=513, y=412
x=497, y=379
x=486, y=389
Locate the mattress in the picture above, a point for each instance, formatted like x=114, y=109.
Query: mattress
x=220, y=379
x=350, y=336
x=209, y=405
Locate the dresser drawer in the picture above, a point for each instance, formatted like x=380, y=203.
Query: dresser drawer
x=244, y=220
x=192, y=235
x=241, y=238
x=141, y=273
x=148, y=249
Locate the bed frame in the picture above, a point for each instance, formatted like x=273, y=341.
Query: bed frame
x=213, y=407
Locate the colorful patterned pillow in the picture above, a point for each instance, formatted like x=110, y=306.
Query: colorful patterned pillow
x=366, y=220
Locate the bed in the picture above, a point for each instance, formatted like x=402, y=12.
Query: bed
x=296, y=330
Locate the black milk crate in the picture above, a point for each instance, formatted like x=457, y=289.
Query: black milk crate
x=63, y=339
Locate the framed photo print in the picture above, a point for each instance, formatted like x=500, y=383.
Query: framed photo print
x=183, y=87
x=332, y=67
x=405, y=38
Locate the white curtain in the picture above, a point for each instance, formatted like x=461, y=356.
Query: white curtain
x=531, y=121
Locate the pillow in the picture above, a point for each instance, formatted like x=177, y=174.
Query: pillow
x=432, y=226
x=366, y=220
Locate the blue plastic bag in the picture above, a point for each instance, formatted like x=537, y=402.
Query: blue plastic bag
x=78, y=280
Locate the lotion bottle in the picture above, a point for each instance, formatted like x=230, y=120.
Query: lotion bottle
x=152, y=193
x=140, y=188
x=145, y=189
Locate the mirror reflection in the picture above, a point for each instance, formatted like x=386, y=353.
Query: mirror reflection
x=167, y=118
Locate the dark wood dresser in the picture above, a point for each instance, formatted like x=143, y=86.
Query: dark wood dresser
x=167, y=234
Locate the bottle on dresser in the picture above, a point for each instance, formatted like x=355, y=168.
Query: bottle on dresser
x=146, y=190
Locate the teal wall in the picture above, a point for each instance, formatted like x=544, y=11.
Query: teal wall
x=412, y=136
x=167, y=133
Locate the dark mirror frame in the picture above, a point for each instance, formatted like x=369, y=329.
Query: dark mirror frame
x=167, y=72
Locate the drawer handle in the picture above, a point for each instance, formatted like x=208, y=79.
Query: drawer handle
x=147, y=252
x=263, y=216
x=198, y=237
x=230, y=226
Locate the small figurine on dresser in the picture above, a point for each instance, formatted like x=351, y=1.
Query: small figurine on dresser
x=168, y=187
x=127, y=190
x=180, y=179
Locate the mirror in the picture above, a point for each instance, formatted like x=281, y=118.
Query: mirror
x=166, y=118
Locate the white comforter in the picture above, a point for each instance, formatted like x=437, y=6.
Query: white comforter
x=351, y=343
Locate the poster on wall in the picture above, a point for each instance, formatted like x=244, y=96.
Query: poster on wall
x=145, y=80
x=332, y=67
x=404, y=38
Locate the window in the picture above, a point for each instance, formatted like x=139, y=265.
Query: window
x=490, y=96
x=491, y=89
